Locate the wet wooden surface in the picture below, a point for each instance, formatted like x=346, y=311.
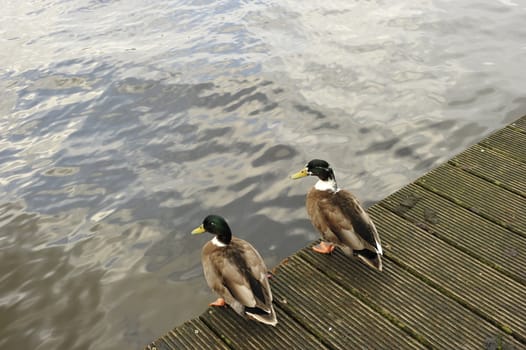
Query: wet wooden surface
x=454, y=270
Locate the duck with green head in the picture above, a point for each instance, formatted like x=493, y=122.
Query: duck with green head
x=339, y=217
x=236, y=272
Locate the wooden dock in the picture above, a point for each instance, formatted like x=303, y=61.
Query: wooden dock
x=454, y=270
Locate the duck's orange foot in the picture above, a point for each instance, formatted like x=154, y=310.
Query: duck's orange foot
x=218, y=302
x=323, y=248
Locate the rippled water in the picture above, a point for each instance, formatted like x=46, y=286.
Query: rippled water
x=123, y=123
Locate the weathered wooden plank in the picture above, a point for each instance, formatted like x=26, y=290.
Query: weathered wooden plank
x=493, y=166
x=493, y=296
x=240, y=333
x=196, y=334
x=520, y=124
x=336, y=316
x=478, y=195
x=159, y=344
x=193, y=334
x=469, y=232
x=411, y=303
x=508, y=141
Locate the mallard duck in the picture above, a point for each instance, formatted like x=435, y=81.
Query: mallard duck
x=339, y=217
x=236, y=272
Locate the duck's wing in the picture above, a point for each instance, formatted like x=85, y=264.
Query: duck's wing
x=330, y=219
x=256, y=275
x=344, y=212
x=361, y=222
x=238, y=273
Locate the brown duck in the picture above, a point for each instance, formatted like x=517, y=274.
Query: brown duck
x=236, y=272
x=339, y=217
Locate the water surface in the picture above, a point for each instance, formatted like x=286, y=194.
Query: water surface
x=123, y=123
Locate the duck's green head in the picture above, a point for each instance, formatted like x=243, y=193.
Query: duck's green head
x=316, y=167
x=215, y=225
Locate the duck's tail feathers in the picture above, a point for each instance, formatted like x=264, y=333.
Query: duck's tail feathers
x=370, y=258
x=262, y=316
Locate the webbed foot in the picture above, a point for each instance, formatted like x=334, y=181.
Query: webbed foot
x=324, y=248
x=218, y=302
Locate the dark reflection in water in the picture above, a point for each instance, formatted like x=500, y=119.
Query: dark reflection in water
x=118, y=137
x=64, y=291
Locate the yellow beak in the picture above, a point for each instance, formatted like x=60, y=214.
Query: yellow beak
x=198, y=230
x=302, y=173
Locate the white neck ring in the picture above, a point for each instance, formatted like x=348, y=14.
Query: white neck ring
x=217, y=242
x=329, y=185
